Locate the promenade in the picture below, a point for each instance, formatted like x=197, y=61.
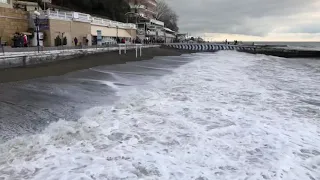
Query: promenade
x=30, y=58
x=104, y=57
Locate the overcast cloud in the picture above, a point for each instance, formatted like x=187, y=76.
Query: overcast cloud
x=248, y=17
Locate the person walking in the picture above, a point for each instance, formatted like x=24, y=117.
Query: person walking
x=75, y=40
x=25, y=41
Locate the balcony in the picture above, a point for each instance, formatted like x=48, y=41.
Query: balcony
x=137, y=6
x=153, y=3
x=109, y=23
x=146, y=2
x=150, y=11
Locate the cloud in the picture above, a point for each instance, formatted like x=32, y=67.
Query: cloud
x=306, y=28
x=247, y=17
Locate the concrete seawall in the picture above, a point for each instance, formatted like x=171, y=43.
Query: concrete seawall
x=24, y=59
x=287, y=53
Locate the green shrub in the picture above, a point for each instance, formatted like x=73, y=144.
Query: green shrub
x=57, y=41
x=65, y=41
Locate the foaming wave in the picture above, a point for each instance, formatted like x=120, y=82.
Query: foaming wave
x=210, y=119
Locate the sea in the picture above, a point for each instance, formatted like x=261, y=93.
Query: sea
x=204, y=116
x=292, y=45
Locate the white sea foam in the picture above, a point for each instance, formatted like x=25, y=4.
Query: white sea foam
x=214, y=118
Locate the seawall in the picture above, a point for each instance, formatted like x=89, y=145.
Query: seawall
x=25, y=59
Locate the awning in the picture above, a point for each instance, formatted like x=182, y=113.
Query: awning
x=169, y=30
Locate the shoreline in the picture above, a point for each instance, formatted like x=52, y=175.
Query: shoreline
x=58, y=68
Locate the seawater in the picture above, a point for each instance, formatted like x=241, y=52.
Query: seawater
x=226, y=115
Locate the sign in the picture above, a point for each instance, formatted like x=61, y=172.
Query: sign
x=43, y=24
x=140, y=31
x=99, y=35
x=46, y=1
x=75, y=15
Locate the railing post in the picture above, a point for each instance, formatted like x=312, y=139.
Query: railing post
x=24, y=61
x=136, y=51
x=140, y=50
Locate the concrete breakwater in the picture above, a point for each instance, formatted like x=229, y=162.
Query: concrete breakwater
x=274, y=51
x=24, y=59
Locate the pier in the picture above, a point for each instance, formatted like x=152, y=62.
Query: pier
x=267, y=50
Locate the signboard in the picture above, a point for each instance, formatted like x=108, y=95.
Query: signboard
x=99, y=37
x=46, y=1
x=43, y=24
x=140, y=31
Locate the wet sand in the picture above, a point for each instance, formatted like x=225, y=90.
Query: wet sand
x=63, y=67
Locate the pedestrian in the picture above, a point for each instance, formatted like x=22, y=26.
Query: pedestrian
x=25, y=41
x=87, y=41
x=75, y=40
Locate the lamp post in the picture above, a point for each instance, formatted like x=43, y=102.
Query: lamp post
x=118, y=34
x=37, y=14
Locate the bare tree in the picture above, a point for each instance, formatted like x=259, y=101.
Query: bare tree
x=165, y=14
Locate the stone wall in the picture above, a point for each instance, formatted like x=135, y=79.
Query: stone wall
x=82, y=31
x=11, y=21
x=6, y=5
x=57, y=27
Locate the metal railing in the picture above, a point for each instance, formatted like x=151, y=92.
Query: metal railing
x=75, y=16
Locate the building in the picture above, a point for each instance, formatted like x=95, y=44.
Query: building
x=26, y=6
x=65, y=26
x=11, y=21
x=146, y=9
x=169, y=35
x=143, y=13
x=6, y=3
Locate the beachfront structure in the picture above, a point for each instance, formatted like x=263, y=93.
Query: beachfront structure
x=150, y=29
x=145, y=9
x=169, y=35
x=67, y=26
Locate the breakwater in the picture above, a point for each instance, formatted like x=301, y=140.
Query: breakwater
x=268, y=50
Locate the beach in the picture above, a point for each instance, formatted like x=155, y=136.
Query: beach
x=222, y=115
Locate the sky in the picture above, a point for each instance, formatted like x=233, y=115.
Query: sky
x=249, y=20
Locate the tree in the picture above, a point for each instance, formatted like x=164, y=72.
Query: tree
x=165, y=14
x=113, y=9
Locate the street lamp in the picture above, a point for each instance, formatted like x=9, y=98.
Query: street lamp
x=118, y=34
x=37, y=14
